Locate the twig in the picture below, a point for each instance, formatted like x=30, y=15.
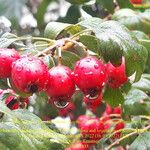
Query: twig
x=144, y=40
x=46, y=50
x=127, y=136
x=59, y=55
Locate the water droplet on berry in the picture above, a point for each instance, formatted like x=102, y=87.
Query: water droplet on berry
x=19, y=78
x=89, y=73
x=19, y=68
x=28, y=70
x=96, y=66
x=76, y=75
x=62, y=81
x=13, y=64
x=102, y=72
x=72, y=73
x=30, y=59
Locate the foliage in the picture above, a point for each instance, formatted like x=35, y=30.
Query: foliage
x=111, y=32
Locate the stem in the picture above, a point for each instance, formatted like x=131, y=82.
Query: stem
x=145, y=117
x=59, y=56
x=45, y=51
x=144, y=40
x=36, y=38
x=81, y=32
x=127, y=136
x=144, y=6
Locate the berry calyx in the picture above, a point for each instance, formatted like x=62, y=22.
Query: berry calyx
x=7, y=57
x=116, y=76
x=68, y=110
x=89, y=75
x=91, y=102
x=61, y=85
x=29, y=74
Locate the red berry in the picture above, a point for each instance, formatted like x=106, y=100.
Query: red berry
x=93, y=102
x=117, y=110
x=89, y=75
x=108, y=109
x=136, y=1
x=78, y=146
x=67, y=111
x=82, y=119
x=118, y=126
x=116, y=75
x=29, y=74
x=60, y=85
x=7, y=56
x=12, y=101
x=92, y=129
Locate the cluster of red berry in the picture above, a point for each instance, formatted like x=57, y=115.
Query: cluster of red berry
x=93, y=129
x=30, y=75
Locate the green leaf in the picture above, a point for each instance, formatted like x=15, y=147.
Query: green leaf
x=58, y=30
x=133, y=20
x=49, y=61
x=113, y=97
x=140, y=35
x=90, y=41
x=126, y=87
x=91, y=23
x=146, y=76
x=72, y=16
x=27, y=131
x=69, y=59
x=41, y=107
x=41, y=12
x=108, y=4
x=53, y=29
x=3, y=84
x=136, y=103
x=125, y=4
x=90, y=12
x=77, y=2
x=143, y=84
x=141, y=142
x=5, y=42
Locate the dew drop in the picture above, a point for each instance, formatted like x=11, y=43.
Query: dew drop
x=76, y=75
x=102, y=72
x=96, y=66
x=19, y=68
x=19, y=78
x=62, y=81
x=72, y=73
x=30, y=59
x=28, y=70
x=89, y=73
